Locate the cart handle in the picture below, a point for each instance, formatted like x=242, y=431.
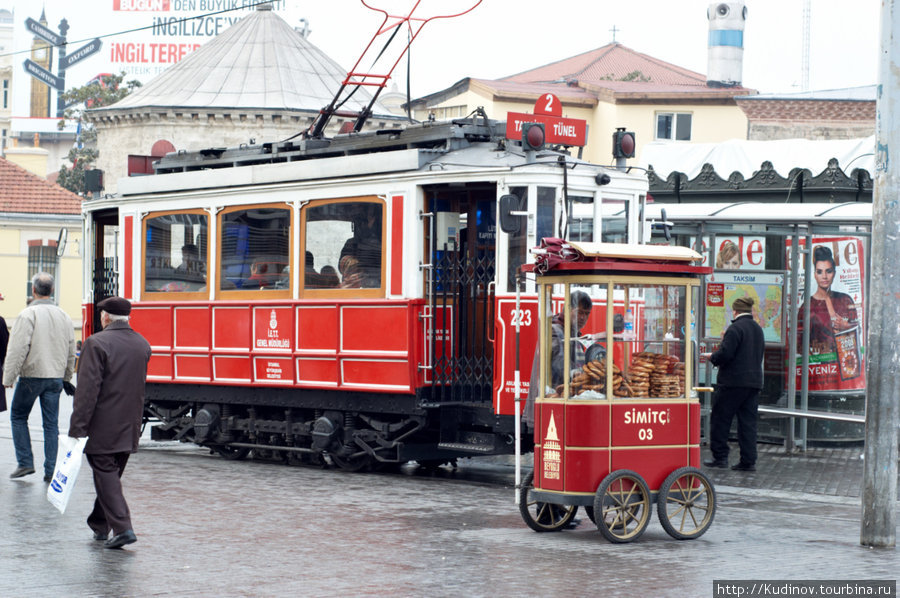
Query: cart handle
x=703, y=389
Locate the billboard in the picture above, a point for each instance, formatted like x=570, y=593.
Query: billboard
x=141, y=38
x=837, y=334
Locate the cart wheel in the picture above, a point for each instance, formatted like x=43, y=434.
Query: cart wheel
x=543, y=516
x=686, y=504
x=622, y=506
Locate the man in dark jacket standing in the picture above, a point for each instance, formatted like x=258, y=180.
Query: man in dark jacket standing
x=739, y=359
x=108, y=407
x=4, y=339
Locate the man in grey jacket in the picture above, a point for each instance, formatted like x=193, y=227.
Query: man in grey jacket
x=41, y=355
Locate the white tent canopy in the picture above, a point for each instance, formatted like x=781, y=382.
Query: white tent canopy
x=746, y=157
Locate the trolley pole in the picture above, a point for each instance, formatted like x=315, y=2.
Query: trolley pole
x=518, y=382
x=879, y=527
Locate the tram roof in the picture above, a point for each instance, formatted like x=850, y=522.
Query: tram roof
x=454, y=146
x=849, y=212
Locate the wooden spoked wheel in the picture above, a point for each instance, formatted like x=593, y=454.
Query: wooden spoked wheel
x=622, y=506
x=543, y=516
x=686, y=503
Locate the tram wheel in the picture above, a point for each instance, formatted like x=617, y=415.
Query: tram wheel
x=351, y=463
x=622, y=506
x=232, y=453
x=686, y=503
x=543, y=516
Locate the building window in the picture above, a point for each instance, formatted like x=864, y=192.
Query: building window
x=447, y=112
x=6, y=93
x=42, y=258
x=673, y=125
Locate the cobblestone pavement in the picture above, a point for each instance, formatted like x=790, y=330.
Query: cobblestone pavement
x=211, y=527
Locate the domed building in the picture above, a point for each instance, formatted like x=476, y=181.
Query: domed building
x=259, y=81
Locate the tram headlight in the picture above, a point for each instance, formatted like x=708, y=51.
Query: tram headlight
x=533, y=136
x=623, y=143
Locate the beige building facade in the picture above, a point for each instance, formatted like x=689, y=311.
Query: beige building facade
x=33, y=212
x=610, y=87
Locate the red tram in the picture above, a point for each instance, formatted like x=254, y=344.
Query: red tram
x=617, y=429
x=351, y=297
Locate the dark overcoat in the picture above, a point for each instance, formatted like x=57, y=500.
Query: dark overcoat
x=109, y=398
x=739, y=357
x=4, y=339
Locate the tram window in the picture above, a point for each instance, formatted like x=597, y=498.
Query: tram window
x=343, y=245
x=614, y=223
x=516, y=244
x=175, y=253
x=255, y=246
x=546, y=197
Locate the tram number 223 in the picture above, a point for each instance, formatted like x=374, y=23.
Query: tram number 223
x=521, y=317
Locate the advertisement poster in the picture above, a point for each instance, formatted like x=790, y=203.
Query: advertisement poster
x=141, y=38
x=733, y=252
x=837, y=334
x=767, y=290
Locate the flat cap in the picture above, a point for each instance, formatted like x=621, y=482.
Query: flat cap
x=742, y=305
x=115, y=306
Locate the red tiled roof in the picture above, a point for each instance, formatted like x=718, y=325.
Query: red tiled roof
x=22, y=192
x=618, y=68
x=566, y=93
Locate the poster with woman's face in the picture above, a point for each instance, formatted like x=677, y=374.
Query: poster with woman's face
x=732, y=252
x=836, y=328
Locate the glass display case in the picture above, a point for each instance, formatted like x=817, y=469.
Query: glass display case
x=616, y=336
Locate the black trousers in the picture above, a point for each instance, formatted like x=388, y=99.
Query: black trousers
x=729, y=401
x=110, y=509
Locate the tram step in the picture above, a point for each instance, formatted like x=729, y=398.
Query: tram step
x=466, y=448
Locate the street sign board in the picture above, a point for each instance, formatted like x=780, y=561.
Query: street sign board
x=90, y=48
x=44, y=33
x=44, y=76
x=558, y=129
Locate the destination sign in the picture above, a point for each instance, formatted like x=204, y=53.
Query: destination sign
x=42, y=32
x=89, y=49
x=44, y=76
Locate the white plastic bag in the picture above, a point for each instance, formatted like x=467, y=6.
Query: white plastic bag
x=68, y=464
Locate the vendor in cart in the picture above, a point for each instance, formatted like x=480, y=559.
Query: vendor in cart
x=581, y=305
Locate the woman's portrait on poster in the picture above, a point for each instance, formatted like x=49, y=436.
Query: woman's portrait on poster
x=830, y=311
x=729, y=257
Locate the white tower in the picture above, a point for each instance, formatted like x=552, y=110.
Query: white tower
x=726, y=43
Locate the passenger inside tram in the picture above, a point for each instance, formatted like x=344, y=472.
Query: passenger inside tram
x=189, y=275
x=347, y=238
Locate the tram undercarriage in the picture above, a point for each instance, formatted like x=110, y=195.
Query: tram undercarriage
x=297, y=426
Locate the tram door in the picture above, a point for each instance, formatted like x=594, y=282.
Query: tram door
x=105, y=268
x=460, y=239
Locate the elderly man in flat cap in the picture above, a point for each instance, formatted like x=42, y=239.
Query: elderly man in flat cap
x=740, y=378
x=108, y=408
